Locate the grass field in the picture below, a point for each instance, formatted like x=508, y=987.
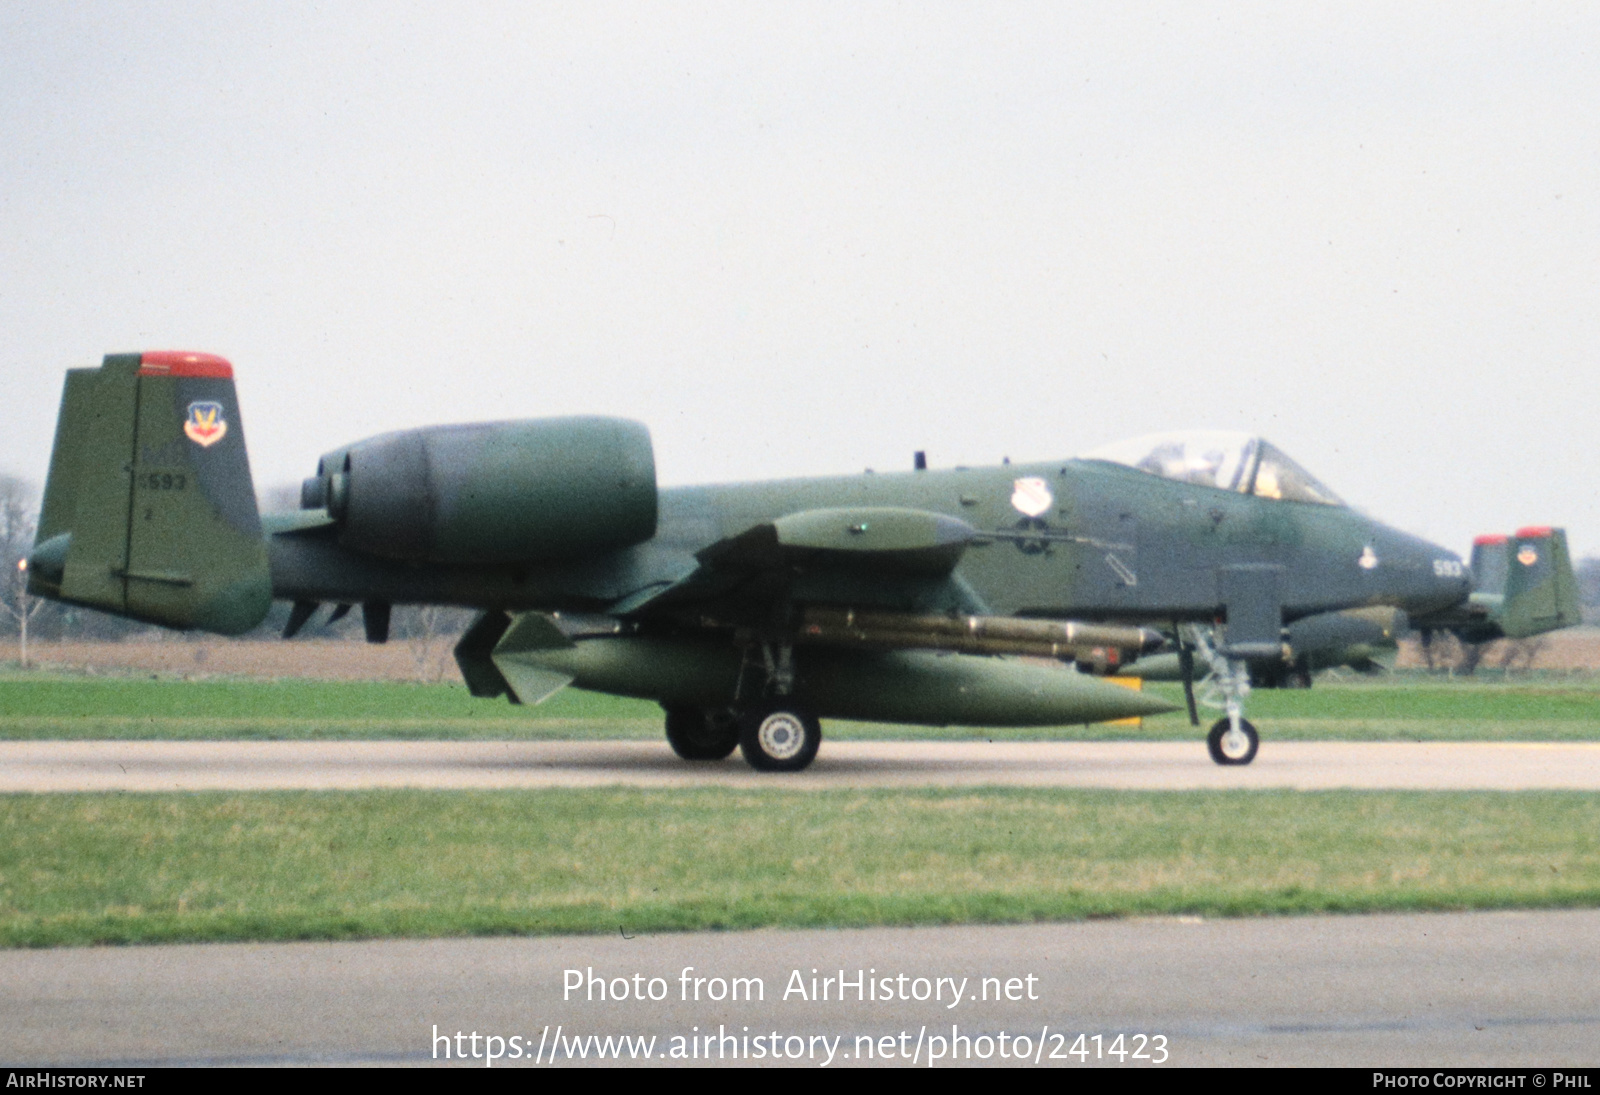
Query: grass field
x=1403, y=707
x=80, y=869
x=41, y=706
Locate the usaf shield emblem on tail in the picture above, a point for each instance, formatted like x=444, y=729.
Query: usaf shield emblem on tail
x=205, y=425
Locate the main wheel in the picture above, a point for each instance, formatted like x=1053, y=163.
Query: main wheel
x=697, y=734
x=1228, y=747
x=779, y=737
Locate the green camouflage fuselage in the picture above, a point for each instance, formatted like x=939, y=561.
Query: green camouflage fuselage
x=1117, y=544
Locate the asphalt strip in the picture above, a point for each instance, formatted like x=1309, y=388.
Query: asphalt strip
x=1442, y=990
x=60, y=766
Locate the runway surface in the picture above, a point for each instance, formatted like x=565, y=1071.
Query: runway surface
x=1503, y=989
x=194, y=766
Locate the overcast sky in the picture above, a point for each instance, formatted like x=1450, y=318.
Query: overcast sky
x=809, y=239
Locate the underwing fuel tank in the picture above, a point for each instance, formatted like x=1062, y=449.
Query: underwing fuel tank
x=909, y=686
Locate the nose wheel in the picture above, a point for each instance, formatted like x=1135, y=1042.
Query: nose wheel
x=1233, y=745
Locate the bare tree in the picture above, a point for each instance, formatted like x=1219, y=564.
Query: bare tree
x=430, y=630
x=17, y=516
x=1587, y=572
x=424, y=632
x=1444, y=651
x=1526, y=651
x=16, y=604
x=1440, y=650
x=1471, y=657
x=17, y=522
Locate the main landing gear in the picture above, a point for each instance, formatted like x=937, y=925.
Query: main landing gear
x=774, y=733
x=696, y=733
x=777, y=736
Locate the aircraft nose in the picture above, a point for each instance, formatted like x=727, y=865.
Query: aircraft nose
x=1433, y=578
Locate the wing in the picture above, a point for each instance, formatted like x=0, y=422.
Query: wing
x=881, y=557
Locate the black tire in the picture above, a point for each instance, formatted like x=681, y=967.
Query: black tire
x=779, y=737
x=1224, y=751
x=697, y=734
x=1267, y=675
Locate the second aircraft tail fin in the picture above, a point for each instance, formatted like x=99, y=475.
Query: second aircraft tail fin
x=1541, y=590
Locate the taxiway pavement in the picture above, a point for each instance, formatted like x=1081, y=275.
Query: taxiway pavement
x=45, y=766
x=1436, y=991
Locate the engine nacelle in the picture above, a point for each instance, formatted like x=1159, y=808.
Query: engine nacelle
x=494, y=492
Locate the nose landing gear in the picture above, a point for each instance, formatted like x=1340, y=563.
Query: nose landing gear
x=1232, y=740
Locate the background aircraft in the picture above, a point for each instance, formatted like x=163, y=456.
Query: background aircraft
x=748, y=611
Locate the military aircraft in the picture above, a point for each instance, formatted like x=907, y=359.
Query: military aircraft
x=748, y=611
x=1522, y=585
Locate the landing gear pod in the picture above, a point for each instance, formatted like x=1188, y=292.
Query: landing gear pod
x=149, y=511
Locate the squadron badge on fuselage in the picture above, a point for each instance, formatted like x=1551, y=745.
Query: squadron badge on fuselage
x=204, y=424
x=1031, y=497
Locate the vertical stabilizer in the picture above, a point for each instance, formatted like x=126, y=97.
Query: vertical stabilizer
x=1491, y=560
x=149, y=510
x=1541, y=591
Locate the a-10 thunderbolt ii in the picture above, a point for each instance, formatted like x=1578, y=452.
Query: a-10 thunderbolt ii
x=748, y=611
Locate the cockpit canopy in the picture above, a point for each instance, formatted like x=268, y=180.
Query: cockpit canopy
x=1221, y=459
